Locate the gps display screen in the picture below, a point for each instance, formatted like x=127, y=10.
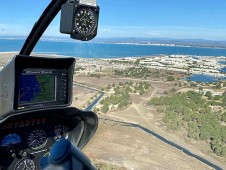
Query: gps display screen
x=36, y=88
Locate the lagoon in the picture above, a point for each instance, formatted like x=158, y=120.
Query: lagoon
x=204, y=78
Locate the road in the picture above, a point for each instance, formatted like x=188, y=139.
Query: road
x=95, y=101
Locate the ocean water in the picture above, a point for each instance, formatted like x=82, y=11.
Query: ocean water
x=223, y=62
x=223, y=70
x=98, y=50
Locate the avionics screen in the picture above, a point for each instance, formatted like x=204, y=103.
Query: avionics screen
x=36, y=88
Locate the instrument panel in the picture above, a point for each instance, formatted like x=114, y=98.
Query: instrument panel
x=24, y=141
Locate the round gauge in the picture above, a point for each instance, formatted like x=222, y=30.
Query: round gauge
x=58, y=132
x=37, y=139
x=25, y=164
x=11, y=139
x=85, y=21
x=46, y=154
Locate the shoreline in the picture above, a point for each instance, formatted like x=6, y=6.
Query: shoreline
x=204, y=65
x=118, y=57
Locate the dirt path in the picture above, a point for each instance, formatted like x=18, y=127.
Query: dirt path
x=119, y=143
x=142, y=102
x=142, y=119
x=140, y=114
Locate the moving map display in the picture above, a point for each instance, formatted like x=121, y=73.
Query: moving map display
x=36, y=88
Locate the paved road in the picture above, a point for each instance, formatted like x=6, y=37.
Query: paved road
x=95, y=102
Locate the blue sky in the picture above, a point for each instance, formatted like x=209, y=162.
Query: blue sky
x=205, y=19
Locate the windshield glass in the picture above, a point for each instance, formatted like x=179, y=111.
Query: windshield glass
x=154, y=75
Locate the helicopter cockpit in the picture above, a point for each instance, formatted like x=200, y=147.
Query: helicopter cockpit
x=38, y=128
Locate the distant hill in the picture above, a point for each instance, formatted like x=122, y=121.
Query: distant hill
x=176, y=42
x=137, y=40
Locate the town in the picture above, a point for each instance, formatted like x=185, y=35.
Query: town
x=180, y=63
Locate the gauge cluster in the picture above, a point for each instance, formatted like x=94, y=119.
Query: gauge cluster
x=24, y=141
x=27, y=137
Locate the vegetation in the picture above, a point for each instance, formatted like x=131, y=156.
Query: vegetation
x=79, y=68
x=135, y=72
x=192, y=111
x=224, y=117
x=94, y=75
x=170, y=78
x=139, y=71
x=137, y=62
x=121, y=96
x=209, y=95
x=120, y=62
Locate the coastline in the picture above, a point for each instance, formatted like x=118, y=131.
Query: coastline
x=111, y=49
x=206, y=65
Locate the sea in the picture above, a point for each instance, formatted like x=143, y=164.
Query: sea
x=105, y=50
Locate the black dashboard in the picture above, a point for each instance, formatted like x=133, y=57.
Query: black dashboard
x=35, y=112
x=26, y=138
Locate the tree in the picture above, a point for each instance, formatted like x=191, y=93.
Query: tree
x=223, y=136
x=146, y=85
x=166, y=92
x=209, y=95
x=200, y=89
x=193, y=131
x=170, y=78
x=223, y=118
x=218, y=86
x=217, y=97
x=108, y=87
x=173, y=90
x=141, y=92
x=128, y=89
x=137, y=62
x=193, y=84
x=224, y=101
x=105, y=108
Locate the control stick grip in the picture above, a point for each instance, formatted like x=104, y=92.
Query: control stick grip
x=64, y=155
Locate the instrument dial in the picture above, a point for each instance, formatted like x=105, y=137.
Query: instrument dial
x=25, y=164
x=37, y=139
x=58, y=132
x=11, y=139
x=85, y=21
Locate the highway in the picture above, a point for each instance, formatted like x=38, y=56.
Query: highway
x=101, y=94
x=95, y=101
